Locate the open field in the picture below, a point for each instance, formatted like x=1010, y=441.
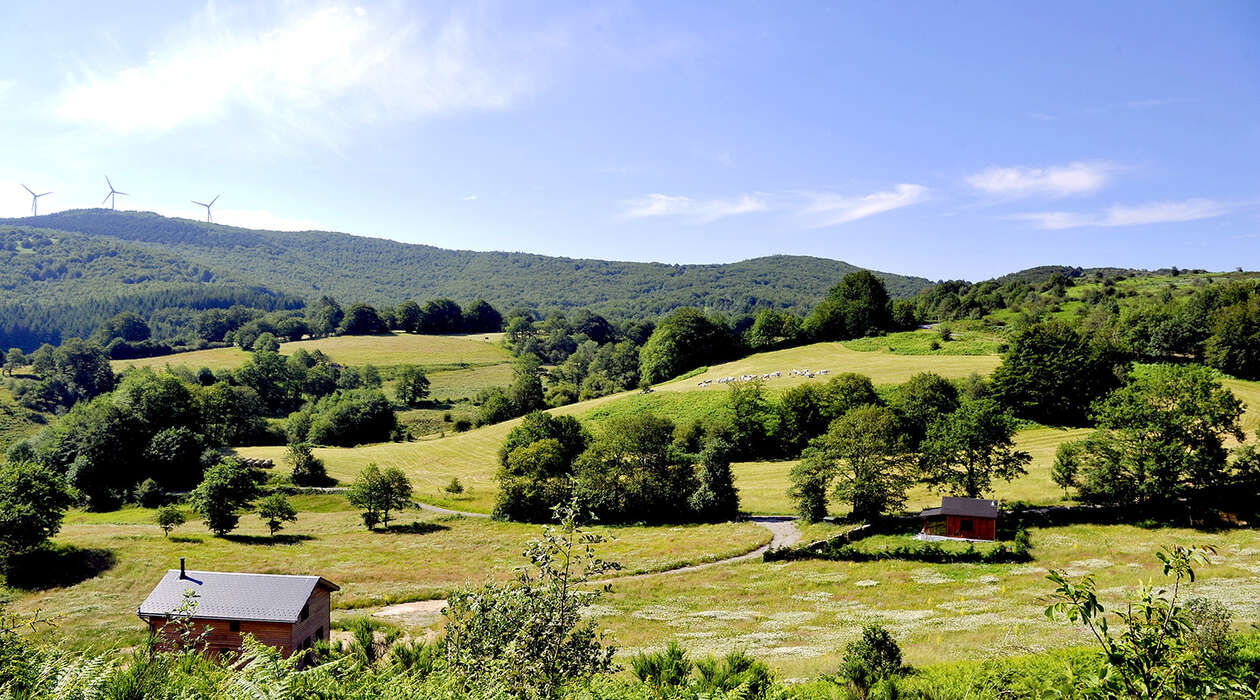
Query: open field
x=881, y=366
x=798, y=615
x=405, y=349
x=763, y=485
x=216, y=359
x=967, y=338
x=429, y=351
x=442, y=553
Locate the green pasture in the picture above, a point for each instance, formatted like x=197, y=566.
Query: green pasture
x=881, y=365
x=387, y=350
x=966, y=338
x=799, y=615
x=428, y=557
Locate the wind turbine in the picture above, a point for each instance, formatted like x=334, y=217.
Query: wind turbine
x=110, y=197
x=207, y=206
x=35, y=200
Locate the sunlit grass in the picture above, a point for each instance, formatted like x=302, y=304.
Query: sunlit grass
x=370, y=567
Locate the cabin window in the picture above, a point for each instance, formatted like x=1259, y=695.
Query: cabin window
x=966, y=525
x=306, y=611
x=234, y=626
x=319, y=632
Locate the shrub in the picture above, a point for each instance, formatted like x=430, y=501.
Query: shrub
x=149, y=494
x=463, y=425
x=669, y=669
x=455, y=487
x=308, y=470
x=871, y=658
x=168, y=518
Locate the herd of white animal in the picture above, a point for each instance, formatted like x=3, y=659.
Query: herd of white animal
x=808, y=374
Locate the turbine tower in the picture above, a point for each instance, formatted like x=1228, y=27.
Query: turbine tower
x=207, y=206
x=112, y=192
x=34, y=200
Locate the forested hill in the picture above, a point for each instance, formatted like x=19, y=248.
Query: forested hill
x=378, y=271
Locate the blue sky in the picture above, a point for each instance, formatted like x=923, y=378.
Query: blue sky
x=939, y=139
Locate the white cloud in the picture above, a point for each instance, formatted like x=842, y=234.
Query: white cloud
x=832, y=209
x=1056, y=181
x=703, y=210
x=307, y=66
x=1129, y=215
x=818, y=209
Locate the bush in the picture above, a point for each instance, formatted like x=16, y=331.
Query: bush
x=345, y=418
x=308, y=470
x=455, y=487
x=872, y=658
x=149, y=494
x=463, y=425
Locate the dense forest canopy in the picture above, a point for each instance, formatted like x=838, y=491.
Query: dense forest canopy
x=53, y=264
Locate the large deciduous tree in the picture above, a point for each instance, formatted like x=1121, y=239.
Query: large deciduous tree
x=684, y=340
x=964, y=451
x=1052, y=374
x=856, y=307
x=226, y=490
x=33, y=501
x=378, y=493
x=865, y=455
x=1159, y=439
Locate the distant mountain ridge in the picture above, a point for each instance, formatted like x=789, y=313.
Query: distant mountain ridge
x=351, y=268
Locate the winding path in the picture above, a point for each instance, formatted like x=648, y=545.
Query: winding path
x=782, y=528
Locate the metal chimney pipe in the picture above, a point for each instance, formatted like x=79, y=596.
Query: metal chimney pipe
x=182, y=575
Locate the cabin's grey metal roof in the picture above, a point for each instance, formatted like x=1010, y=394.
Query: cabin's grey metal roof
x=966, y=507
x=232, y=596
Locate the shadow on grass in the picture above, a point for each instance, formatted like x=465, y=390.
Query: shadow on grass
x=57, y=566
x=415, y=528
x=267, y=539
x=187, y=539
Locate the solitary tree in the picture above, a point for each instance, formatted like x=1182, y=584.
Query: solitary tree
x=168, y=518
x=377, y=492
x=964, y=451
x=275, y=510
x=412, y=386
x=13, y=359
x=865, y=455
x=226, y=489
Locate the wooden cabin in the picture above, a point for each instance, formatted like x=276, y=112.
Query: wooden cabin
x=290, y=613
x=962, y=518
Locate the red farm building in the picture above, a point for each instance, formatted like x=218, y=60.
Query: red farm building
x=962, y=518
x=290, y=613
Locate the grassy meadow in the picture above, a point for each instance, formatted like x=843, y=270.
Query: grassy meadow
x=433, y=352
x=799, y=615
x=427, y=557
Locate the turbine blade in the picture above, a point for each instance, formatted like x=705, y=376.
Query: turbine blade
x=111, y=194
x=41, y=195
x=216, y=198
x=28, y=189
x=122, y=193
x=200, y=204
x=111, y=185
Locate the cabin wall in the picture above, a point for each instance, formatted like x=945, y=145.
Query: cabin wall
x=315, y=626
x=220, y=636
x=981, y=528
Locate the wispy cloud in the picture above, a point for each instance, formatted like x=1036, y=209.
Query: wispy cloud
x=1056, y=181
x=816, y=209
x=306, y=65
x=702, y=210
x=1129, y=215
x=831, y=209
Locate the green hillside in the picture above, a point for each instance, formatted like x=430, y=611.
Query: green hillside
x=112, y=256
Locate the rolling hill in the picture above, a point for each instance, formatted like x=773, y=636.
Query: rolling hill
x=119, y=260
